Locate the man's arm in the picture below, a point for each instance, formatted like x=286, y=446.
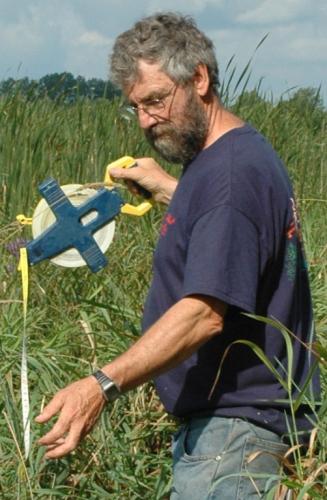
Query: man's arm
x=175, y=336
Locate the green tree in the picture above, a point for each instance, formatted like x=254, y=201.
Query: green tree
x=307, y=105
x=58, y=85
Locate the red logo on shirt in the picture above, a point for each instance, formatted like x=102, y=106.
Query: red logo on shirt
x=291, y=231
x=169, y=220
x=294, y=228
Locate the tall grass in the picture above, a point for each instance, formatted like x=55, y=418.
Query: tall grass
x=77, y=320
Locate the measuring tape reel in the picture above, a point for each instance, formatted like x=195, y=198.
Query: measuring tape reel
x=74, y=225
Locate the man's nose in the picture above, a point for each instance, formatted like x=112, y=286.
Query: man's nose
x=146, y=120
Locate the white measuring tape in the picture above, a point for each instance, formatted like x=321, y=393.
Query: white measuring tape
x=23, y=268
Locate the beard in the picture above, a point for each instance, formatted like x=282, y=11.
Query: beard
x=180, y=143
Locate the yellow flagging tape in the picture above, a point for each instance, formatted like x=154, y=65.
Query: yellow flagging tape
x=23, y=268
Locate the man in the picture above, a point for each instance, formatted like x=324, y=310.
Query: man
x=229, y=244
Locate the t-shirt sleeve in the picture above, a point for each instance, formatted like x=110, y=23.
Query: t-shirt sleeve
x=223, y=258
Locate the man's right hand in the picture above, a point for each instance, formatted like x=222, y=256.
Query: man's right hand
x=148, y=174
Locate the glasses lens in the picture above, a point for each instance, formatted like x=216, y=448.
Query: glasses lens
x=155, y=106
x=127, y=112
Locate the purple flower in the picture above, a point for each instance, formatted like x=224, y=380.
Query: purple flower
x=14, y=246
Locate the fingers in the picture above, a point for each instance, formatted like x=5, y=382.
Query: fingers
x=125, y=173
x=79, y=406
x=143, y=167
x=138, y=179
x=133, y=187
x=131, y=177
x=62, y=446
x=57, y=443
x=64, y=436
x=58, y=431
x=144, y=179
x=51, y=409
x=54, y=446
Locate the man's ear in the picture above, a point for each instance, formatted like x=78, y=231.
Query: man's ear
x=201, y=80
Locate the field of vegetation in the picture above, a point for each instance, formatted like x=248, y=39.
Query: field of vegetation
x=77, y=320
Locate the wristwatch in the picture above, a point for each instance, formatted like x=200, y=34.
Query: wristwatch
x=110, y=390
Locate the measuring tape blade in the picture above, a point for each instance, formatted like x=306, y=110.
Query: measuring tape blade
x=23, y=267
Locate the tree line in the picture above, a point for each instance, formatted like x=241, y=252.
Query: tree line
x=67, y=88
x=64, y=86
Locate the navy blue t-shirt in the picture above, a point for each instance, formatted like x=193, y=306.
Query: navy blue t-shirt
x=232, y=232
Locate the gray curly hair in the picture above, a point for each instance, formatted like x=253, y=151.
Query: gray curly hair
x=170, y=39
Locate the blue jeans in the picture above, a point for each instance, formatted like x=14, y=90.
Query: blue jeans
x=215, y=459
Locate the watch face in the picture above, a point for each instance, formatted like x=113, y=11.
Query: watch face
x=111, y=391
x=108, y=386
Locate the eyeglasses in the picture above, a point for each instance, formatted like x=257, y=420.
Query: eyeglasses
x=151, y=106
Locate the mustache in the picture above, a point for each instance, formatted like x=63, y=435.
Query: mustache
x=159, y=130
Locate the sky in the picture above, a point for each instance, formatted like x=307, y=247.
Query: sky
x=38, y=37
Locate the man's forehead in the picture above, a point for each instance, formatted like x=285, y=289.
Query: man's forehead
x=150, y=78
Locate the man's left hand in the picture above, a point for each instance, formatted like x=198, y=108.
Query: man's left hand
x=79, y=406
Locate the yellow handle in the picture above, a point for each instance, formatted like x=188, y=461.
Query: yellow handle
x=126, y=162
x=24, y=220
x=137, y=210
